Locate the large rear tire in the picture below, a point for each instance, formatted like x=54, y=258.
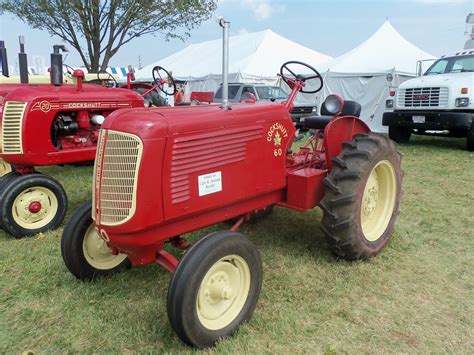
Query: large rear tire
x=31, y=204
x=362, y=195
x=399, y=134
x=215, y=288
x=85, y=254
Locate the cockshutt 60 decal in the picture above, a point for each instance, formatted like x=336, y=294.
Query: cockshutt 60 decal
x=274, y=135
x=47, y=106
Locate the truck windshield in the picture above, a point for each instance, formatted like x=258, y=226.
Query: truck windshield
x=461, y=64
x=270, y=92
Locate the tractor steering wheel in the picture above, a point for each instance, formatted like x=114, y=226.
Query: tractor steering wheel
x=109, y=78
x=159, y=80
x=291, y=76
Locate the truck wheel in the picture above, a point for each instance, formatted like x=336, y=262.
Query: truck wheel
x=362, y=195
x=215, y=288
x=399, y=134
x=30, y=204
x=85, y=254
x=470, y=138
x=5, y=168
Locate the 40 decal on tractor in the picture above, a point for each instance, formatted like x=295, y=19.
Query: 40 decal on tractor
x=53, y=124
x=163, y=172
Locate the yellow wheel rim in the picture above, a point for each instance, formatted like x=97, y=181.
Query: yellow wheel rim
x=378, y=201
x=97, y=252
x=5, y=168
x=223, y=292
x=35, y=208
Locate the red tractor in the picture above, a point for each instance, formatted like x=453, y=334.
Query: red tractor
x=163, y=172
x=52, y=124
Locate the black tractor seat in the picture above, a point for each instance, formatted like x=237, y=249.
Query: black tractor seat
x=351, y=108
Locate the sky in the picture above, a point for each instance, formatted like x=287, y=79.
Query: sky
x=332, y=27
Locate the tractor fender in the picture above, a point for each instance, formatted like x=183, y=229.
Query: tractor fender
x=339, y=130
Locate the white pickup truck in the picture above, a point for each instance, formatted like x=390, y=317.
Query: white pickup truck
x=440, y=102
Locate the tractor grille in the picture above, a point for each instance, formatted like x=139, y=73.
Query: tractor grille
x=116, y=171
x=12, y=122
x=423, y=97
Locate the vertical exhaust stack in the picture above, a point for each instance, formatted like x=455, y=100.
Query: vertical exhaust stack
x=23, y=61
x=225, y=63
x=57, y=64
x=4, y=59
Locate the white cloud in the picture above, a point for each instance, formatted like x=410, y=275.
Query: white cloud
x=262, y=9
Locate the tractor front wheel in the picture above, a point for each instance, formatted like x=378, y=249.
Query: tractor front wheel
x=84, y=252
x=5, y=168
x=362, y=196
x=215, y=288
x=31, y=204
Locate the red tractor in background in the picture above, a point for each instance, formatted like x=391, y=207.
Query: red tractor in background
x=53, y=124
x=162, y=172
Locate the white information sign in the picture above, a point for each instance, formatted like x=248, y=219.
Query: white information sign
x=210, y=183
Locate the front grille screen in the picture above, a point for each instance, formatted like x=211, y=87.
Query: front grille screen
x=12, y=122
x=423, y=97
x=118, y=169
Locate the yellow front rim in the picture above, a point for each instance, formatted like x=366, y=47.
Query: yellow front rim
x=35, y=207
x=5, y=168
x=378, y=201
x=97, y=252
x=223, y=292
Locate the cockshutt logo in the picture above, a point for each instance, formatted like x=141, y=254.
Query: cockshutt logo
x=274, y=135
x=46, y=106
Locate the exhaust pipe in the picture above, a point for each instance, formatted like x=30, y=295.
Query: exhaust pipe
x=225, y=63
x=57, y=64
x=23, y=61
x=4, y=59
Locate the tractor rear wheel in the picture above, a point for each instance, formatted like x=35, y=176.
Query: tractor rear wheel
x=215, y=288
x=31, y=204
x=362, y=195
x=5, y=168
x=84, y=252
x=399, y=134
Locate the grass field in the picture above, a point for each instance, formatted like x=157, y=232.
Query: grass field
x=416, y=296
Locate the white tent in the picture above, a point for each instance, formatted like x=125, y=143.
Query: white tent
x=361, y=74
x=253, y=57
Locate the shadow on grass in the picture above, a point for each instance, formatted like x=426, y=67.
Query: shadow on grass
x=436, y=142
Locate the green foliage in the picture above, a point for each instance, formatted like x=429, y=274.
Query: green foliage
x=97, y=29
x=415, y=297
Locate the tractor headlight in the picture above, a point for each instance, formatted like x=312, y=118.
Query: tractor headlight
x=389, y=103
x=462, y=102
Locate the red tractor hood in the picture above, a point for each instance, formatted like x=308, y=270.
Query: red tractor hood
x=153, y=123
x=69, y=93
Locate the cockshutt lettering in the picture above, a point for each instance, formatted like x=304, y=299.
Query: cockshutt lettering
x=275, y=127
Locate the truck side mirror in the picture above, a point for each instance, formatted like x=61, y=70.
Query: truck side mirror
x=419, y=68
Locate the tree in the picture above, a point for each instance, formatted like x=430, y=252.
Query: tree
x=97, y=29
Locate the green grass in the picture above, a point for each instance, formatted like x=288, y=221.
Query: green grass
x=416, y=296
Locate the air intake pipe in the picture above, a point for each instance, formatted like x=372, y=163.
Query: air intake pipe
x=225, y=63
x=4, y=59
x=23, y=61
x=57, y=64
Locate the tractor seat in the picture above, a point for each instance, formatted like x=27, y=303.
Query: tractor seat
x=351, y=108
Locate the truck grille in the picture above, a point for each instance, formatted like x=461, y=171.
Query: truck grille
x=12, y=123
x=423, y=97
x=302, y=109
x=115, y=182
